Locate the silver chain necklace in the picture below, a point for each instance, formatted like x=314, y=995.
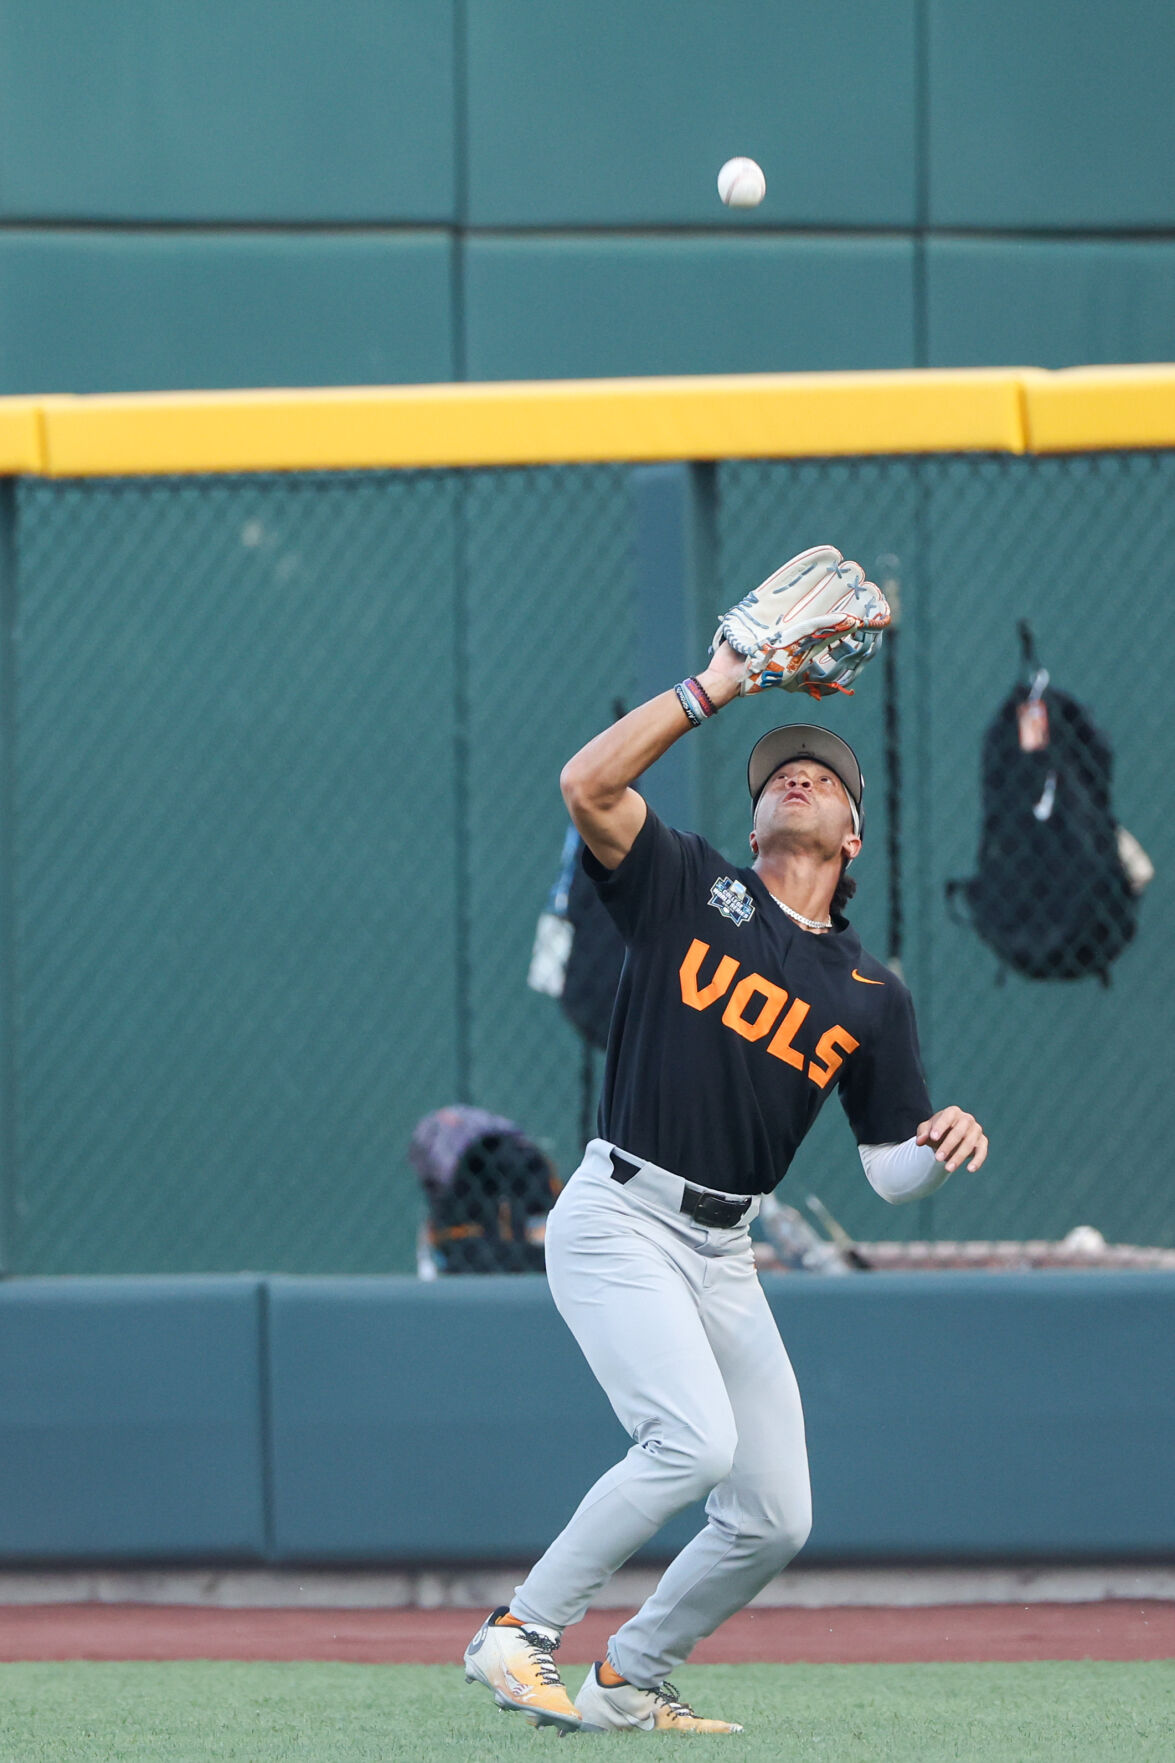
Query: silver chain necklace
x=808, y=923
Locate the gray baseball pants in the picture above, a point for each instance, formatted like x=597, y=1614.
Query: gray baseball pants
x=673, y=1322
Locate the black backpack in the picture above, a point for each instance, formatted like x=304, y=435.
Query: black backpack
x=1050, y=895
x=491, y=1217
x=488, y=1190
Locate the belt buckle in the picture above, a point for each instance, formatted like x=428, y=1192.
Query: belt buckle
x=719, y=1214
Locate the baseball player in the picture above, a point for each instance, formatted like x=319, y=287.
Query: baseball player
x=746, y=999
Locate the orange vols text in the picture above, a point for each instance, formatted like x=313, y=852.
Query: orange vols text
x=755, y=1007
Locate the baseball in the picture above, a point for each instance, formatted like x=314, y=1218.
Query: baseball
x=1083, y=1239
x=741, y=183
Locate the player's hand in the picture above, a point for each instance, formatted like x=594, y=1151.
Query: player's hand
x=721, y=677
x=956, y=1136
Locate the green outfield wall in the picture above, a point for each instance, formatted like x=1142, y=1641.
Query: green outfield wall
x=498, y=189
x=949, y=1416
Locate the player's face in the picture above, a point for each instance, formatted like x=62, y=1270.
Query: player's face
x=805, y=803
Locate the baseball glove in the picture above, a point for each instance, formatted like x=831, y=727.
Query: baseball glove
x=810, y=627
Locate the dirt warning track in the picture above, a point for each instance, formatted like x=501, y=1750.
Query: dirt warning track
x=1110, y=1630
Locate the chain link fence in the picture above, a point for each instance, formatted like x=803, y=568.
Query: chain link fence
x=234, y=894
x=280, y=798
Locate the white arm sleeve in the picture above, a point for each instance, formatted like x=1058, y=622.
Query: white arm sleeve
x=908, y=1171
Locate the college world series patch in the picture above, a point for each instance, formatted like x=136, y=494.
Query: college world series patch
x=731, y=899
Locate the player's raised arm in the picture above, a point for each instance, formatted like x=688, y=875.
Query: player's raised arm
x=597, y=783
x=811, y=626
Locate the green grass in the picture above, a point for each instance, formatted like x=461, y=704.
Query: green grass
x=230, y=1713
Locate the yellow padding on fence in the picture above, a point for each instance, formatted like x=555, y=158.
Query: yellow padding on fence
x=1094, y=407
x=727, y=417
x=20, y=436
x=756, y=416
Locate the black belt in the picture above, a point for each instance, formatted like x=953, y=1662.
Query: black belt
x=703, y=1208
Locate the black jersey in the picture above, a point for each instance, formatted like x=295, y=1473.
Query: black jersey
x=732, y=1025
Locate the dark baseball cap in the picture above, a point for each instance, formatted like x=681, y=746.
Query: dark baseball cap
x=806, y=740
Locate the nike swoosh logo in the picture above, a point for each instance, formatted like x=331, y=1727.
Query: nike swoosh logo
x=867, y=982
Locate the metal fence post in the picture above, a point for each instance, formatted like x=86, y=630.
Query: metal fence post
x=8, y=1012
x=676, y=552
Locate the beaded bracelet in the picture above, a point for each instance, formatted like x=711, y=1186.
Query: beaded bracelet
x=699, y=691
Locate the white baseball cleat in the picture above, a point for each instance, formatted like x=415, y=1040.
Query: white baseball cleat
x=624, y=1707
x=516, y=1664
